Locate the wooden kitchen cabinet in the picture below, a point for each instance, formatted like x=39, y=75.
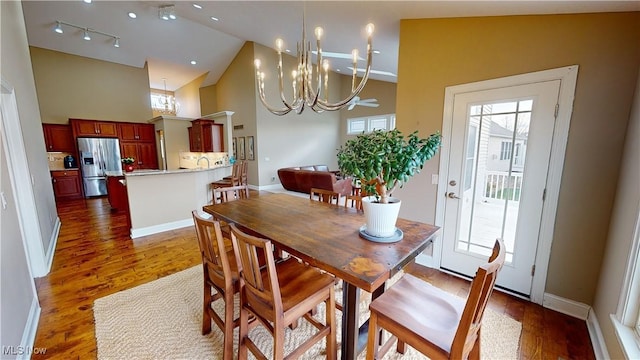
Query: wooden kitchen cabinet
x=59, y=138
x=144, y=153
x=67, y=184
x=137, y=132
x=206, y=136
x=93, y=128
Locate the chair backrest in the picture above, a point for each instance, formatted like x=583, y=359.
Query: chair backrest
x=230, y=193
x=264, y=297
x=481, y=289
x=213, y=250
x=323, y=195
x=353, y=201
x=244, y=169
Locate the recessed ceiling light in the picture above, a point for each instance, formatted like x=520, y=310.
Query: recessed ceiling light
x=214, y=18
x=87, y=1
x=132, y=15
x=197, y=6
x=193, y=62
x=376, y=51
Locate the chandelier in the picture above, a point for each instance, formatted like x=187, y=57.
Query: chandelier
x=165, y=105
x=306, y=91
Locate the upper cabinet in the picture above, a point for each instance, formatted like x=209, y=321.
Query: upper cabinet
x=92, y=128
x=137, y=132
x=206, y=136
x=58, y=137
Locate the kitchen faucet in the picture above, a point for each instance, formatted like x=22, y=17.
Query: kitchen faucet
x=203, y=157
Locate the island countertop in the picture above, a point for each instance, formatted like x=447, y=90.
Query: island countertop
x=145, y=172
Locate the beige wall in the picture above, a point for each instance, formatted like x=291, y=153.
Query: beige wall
x=17, y=290
x=208, y=100
x=435, y=53
x=188, y=98
x=176, y=138
x=72, y=86
x=619, y=242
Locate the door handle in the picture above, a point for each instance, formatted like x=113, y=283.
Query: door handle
x=452, y=195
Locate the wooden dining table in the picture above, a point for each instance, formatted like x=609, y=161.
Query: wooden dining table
x=327, y=237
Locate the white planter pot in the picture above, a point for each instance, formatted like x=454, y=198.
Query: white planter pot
x=381, y=218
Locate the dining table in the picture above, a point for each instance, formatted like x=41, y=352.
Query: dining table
x=327, y=237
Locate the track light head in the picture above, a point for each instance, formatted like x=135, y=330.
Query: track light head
x=58, y=28
x=86, y=35
x=116, y=42
x=167, y=12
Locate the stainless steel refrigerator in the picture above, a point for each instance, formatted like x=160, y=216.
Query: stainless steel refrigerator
x=98, y=155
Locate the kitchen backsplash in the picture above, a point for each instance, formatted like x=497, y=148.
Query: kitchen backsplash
x=56, y=160
x=189, y=160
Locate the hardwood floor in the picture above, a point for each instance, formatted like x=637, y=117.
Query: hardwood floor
x=95, y=257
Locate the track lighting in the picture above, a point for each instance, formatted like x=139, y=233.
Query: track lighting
x=86, y=32
x=167, y=12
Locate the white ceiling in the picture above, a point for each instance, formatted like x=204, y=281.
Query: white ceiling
x=169, y=46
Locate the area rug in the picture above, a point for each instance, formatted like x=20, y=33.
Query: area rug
x=163, y=320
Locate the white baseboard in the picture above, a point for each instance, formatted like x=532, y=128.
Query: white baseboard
x=150, y=230
x=269, y=187
x=51, y=251
x=566, y=306
x=425, y=260
x=29, y=334
x=597, y=339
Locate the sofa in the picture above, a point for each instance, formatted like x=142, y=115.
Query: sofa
x=303, y=178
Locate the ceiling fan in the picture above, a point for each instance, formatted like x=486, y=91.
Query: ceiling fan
x=364, y=102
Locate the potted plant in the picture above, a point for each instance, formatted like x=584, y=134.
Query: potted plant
x=128, y=163
x=383, y=161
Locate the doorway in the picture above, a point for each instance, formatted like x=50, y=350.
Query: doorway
x=500, y=168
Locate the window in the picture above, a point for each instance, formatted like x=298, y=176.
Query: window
x=357, y=126
x=627, y=319
x=471, y=156
x=505, y=152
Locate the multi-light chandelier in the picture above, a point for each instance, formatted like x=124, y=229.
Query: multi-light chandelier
x=306, y=90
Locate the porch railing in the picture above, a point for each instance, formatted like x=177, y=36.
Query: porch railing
x=500, y=186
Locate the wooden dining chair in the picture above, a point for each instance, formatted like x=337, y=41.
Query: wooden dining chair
x=279, y=295
x=436, y=323
x=323, y=195
x=353, y=201
x=230, y=193
x=220, y=271
x=233, y=180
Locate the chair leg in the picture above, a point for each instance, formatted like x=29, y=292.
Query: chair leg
x=401, y=347
x=206, y=305
x=373, y=337
x=278, y=342
x=475, y=350
x=227, y=353
x=243, y=333
x=332, y=346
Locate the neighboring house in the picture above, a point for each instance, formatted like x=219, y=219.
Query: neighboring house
x=591, y=242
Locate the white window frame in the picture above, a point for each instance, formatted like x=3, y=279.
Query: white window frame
x=390, y=123
x=626, y=320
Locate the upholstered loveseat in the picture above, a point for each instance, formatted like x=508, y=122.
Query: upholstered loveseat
x=303, y=178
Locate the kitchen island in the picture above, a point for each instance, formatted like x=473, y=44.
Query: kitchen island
x=162, y=200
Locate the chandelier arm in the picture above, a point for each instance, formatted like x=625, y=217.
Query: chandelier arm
x=271, y=109
x=281, y=82
x=325, y=105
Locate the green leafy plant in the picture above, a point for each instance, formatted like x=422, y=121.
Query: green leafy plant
x=384, y=160
x=128, y=160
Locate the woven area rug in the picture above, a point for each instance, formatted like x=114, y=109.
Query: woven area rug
x=163, y=320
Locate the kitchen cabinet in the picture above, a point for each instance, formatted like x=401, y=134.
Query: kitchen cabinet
x=144, y=153
x=206, y=136
x=59, y=138
x=93, y=128
x=67, y=184
x=137, y=132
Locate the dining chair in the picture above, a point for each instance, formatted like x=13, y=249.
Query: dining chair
x=220, y=272
x=353, y=201
x=436, y=323
x=323, y=195
x=279, y=295
x=230, y=193
x=233, y=180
